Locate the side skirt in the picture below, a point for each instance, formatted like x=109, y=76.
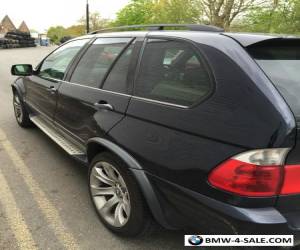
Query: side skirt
x=72, y=149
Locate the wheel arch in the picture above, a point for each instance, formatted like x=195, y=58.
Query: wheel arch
x=98, y=145
x=18, y=86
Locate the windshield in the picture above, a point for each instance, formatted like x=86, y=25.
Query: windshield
x=280, y=61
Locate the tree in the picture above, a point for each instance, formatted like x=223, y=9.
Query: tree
x=96, y=21
x=56, y=33
x=222, y=13
x=159, y=11
x=215, y=12
x=177, y=11
x=136, y=12
x=75, y=30
x=280, y=17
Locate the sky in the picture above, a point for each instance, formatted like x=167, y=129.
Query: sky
x=41, y=14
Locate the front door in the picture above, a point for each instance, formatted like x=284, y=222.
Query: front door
x=42, y=87
x=85, y=108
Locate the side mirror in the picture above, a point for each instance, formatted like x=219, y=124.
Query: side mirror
x=22, y=70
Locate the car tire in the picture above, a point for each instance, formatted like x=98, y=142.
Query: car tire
x=130, y=216
x=21, y=114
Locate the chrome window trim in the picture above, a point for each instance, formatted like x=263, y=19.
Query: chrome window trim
x=121, y=94
x=133, y=96
x=103, y=90
x=160, y=102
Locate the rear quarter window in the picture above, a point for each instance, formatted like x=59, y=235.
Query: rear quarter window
x=172, y=71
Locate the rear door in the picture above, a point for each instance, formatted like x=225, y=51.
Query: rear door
x=86, y=107
x=41, y=88
x=162, y=118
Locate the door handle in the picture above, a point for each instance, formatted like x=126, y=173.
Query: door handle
x=52, y=90
x=104, y=105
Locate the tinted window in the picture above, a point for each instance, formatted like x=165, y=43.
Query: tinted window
x=281, y=63
x=172, y=72
x=117, y=78
x=95, y=63
x=55, y=65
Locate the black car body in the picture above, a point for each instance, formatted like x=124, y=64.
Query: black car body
x=172, y=137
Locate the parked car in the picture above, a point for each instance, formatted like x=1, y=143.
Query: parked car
x=193, y=129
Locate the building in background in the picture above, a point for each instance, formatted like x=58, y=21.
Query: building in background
x=7, y=25
x=24, y=28
x=11, y=37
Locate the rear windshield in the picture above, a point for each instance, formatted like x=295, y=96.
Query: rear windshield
x=280, y=60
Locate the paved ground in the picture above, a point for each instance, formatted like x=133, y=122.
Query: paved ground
x=44, y=201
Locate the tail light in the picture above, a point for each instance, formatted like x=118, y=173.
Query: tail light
x=291, y=183
x=253, y=173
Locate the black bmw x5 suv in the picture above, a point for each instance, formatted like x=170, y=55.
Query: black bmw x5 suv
x=194, y=128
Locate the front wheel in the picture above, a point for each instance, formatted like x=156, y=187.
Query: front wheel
x=117, y=198
x=21, y=114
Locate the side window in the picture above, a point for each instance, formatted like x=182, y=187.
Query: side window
x=55, y=65
x=95, y=63
x=117, y=78
x=173, y=72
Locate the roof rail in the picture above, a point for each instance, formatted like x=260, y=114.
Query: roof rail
x=191, y=27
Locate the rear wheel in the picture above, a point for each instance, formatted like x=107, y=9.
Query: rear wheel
x=116, y=197
x=21, y=114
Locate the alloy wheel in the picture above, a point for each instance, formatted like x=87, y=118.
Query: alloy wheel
x=18, y=108
x=110, y=194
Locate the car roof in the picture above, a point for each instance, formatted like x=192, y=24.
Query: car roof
x=245, y=39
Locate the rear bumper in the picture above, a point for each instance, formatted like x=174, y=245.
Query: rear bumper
x=183, y=208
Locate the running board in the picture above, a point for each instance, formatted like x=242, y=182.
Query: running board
x=68, y=146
